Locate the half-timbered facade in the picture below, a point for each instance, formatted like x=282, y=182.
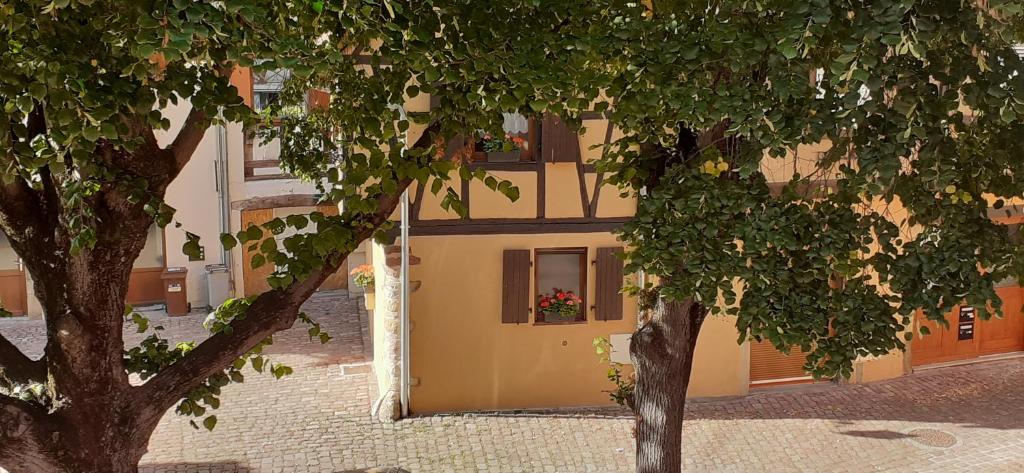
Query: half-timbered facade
x=479, y=337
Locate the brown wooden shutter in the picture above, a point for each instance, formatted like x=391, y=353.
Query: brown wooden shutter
x=515, y=287
x=318, y=99
x=559, y=144
x=608, y=302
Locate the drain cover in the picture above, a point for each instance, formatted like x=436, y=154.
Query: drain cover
x=932, y=438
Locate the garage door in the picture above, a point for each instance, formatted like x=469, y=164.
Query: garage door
x=968, y=337
x=769, y=366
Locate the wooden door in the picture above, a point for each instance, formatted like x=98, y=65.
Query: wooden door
x=946, y=344
x=1005, y=334
x=769, y=366
x=13, y=291
x=338, y=280
x=255, y=280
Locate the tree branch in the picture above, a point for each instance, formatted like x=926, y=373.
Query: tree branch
x=16, y=367
x=188, y=139
x=271, y=312
x=196, y=124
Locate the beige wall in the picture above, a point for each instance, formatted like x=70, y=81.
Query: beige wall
x=464, y=358
x=194, y=194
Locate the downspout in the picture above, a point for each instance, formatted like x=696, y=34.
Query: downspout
x=221, y=169
x=641, y=277
x=404, y=305
x=404, y=390
x=641, y=280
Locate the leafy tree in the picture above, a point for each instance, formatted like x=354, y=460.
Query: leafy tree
x=82, y=91
x=920, y=101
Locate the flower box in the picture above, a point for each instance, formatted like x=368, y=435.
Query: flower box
x=559, y=307
x=503, y=156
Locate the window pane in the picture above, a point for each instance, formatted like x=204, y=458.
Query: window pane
x=560, y=271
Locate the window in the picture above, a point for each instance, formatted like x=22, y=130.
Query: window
x=263, y=99
x=518, y=145
x=561, y=283
x=267, y=86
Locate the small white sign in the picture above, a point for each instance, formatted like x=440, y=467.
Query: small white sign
x=620, y=348
x=174, y=288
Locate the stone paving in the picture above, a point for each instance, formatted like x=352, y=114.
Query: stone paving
x=964, y=418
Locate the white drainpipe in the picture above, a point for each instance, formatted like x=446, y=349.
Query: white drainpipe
x=404, y=281
x=221, y=167
x=404, y=304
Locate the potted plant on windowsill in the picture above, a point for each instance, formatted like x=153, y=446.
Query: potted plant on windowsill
x=559, y=306
x=503, y=150
x=362, y=276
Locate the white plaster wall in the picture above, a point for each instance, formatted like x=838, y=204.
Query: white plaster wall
x=276, y=187
x=194, y=194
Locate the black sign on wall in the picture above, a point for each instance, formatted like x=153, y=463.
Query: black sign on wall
x=966, y=323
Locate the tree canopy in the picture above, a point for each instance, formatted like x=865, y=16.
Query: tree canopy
x=84, y=89
x=920, y=102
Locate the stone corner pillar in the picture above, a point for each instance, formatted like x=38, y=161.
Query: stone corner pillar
x=389, y=405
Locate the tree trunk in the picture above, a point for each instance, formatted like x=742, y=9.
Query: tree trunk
x=82, y=438
x=662, y=352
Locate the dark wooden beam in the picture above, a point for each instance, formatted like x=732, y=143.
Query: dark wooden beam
x=512, y=226
x=519, y=166
x=599, y=182
x=465, y=197
x=541, y=188
x=418, y=203
x=581, y=177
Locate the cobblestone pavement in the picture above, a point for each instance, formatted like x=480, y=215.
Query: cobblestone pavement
x=965, y=418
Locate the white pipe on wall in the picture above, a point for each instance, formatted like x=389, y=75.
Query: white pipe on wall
x=404, y=304
x=404, y=278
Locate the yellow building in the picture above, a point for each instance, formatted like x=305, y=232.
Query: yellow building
x=471, y=333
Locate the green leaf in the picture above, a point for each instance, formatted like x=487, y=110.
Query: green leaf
x=210, y=422
x=91, y=133
x=228, y=241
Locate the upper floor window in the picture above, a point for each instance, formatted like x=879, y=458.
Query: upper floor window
x=519, y=143
x=267, y=88
x=263, y=99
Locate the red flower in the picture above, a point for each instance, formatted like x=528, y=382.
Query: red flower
x=570, y=302
x=544, y=303
x=561, y=296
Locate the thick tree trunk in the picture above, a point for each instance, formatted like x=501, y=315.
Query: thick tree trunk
x=98, y=422
x=89, y=436
x=662, y=352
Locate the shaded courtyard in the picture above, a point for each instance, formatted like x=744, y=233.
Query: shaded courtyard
x=964, y=418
